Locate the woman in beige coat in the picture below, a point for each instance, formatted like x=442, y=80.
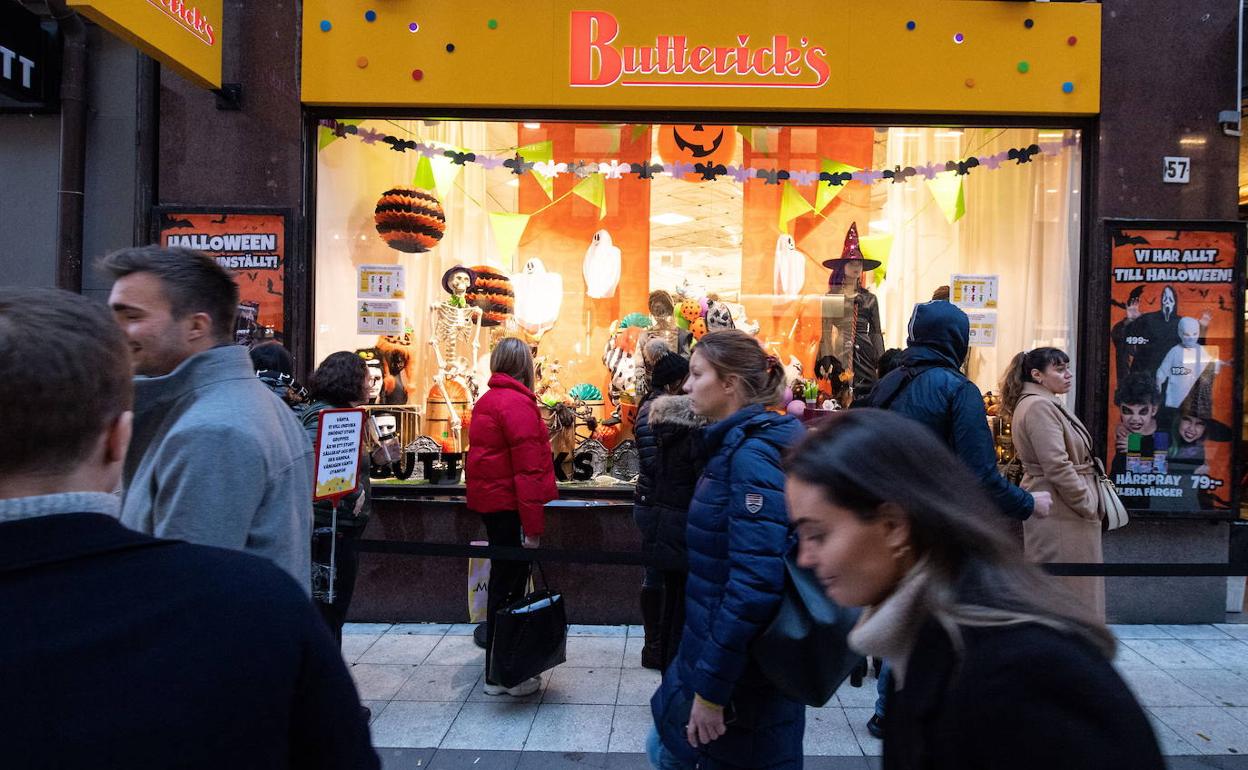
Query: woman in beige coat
x=1055, y=450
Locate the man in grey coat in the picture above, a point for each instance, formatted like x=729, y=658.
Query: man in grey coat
x=216, y=458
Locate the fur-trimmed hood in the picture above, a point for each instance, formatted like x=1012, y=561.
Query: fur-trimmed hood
x=675, y=410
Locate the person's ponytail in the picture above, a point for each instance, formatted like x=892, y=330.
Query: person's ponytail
x=1012, y=381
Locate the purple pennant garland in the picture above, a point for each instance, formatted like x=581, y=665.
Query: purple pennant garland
x=740, y=173
x=489, y=162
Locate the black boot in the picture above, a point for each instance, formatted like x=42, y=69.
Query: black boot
x=652, y=621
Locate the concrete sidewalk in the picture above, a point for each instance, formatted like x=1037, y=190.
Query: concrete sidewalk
x=424, y=685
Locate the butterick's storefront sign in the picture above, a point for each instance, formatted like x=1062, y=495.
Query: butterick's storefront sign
x=184, y=35
x=676, y=60
x=864, y=56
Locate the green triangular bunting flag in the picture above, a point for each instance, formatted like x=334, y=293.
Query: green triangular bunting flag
x=594, y=190
x=325, y=135
x=946, y=188
x=879, y=248
x=827, y=193
x=792, y=205
x=423, y=179
x=508, y=229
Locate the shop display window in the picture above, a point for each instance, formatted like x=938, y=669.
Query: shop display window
x=586, y=239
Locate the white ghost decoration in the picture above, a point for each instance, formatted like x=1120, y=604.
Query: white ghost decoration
x=539, y=295
x=602, y=266
x=790, y=269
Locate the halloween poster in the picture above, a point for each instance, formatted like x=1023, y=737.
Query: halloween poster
x=1174, y=322
x=251, y=245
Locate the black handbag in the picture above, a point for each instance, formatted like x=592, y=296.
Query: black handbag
x=530, y=636
x=805, y=651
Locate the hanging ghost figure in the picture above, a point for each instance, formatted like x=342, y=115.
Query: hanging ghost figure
x=790, y=269
x=602, y=266
x=539, y=295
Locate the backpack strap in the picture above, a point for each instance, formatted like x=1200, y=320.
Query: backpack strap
x=897, y=381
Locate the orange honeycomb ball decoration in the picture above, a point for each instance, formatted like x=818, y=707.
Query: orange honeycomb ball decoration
x=492, y=293
x=409, y=220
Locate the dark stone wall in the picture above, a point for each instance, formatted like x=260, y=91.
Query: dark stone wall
x=1167, y=70
x=247, y=157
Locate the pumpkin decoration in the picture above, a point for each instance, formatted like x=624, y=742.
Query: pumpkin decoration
x=698, y=328
x=697, y=143
x=690, y=310
x=493, y=294
x=607, y=435
x=409, y=220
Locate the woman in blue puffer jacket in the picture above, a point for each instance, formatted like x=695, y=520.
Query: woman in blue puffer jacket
x=714, y=708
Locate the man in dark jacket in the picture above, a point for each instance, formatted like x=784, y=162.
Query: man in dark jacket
x=120, y=650
x=929, y=387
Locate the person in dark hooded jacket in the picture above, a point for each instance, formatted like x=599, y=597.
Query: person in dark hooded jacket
x=669, y=467
x=715, y=708
x=929, y=387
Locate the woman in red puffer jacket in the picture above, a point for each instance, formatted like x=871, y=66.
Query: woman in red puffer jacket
x=511, y=477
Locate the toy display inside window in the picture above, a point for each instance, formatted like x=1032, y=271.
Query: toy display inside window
x=437, y=239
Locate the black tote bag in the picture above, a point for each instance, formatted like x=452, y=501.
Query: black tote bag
x=805, y=652
x=530, y=636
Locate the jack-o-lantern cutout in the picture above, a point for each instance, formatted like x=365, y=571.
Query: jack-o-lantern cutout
x=697, y=144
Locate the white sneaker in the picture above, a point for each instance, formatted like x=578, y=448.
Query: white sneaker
x=527, y=687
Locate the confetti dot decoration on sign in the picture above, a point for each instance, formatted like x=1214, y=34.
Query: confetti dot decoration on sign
x=492, y=24
x=910, y=25
x=361, y=62
x=1029, y=23
x=325, y=25
x=970, y=82
x=413, y=27
x=418, y=75
x=1072, y=40
x=959, y=38
x=1023, y=67
x=370, y=16
x=1068, y=87
x=450, y=48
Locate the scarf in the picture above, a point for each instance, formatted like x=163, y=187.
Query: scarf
x=889, y=629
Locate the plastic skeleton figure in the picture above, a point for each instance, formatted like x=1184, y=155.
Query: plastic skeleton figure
x=456, y=341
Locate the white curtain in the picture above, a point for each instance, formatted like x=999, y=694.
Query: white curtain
x=1021, y=224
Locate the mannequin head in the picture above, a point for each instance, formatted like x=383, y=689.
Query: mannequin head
x=1189, y=332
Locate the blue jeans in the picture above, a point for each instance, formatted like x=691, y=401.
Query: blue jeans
x=881, y=688
x=660, y=756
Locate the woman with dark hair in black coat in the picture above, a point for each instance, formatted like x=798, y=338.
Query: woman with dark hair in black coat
x=994, y=666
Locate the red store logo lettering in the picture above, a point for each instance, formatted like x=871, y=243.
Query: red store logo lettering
x=190, y=17
x=673, y=61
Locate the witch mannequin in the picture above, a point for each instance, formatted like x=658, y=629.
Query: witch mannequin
x=456, y=341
